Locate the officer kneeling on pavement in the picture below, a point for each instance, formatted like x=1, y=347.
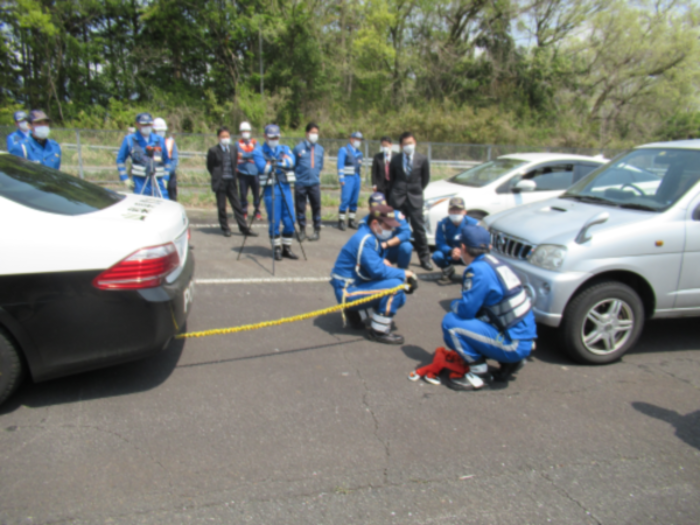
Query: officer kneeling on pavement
x=447, y=251
x=493, y=319
x=398, y=249
x=360, y=271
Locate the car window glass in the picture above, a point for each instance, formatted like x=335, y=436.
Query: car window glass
x=652, y=178
x=487, y=172
x=45, y=189
x=552, y=178
x=581, y=170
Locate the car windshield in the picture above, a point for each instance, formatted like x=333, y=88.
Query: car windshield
x=487, y=172
x=650, y=179
x=49, y=190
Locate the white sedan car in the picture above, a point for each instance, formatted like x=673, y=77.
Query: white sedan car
x=506, y=182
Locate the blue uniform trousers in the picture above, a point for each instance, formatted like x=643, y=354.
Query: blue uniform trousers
x=400, y=255
x=443, y=261
x=386, y=306
x=350, y=193
x=281, y=212
x=140, y=182
x=474, y=338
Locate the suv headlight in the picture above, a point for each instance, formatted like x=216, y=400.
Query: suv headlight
x=429, y=203
x=549, y=256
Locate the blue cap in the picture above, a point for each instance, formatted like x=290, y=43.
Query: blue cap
x=356, y=135
x=475, y=236
x=272, y=130
x=37, y=114
x=19, y=116
x=377, y=198
x=144, y=118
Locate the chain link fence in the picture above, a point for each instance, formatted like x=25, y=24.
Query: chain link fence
x=91, y=155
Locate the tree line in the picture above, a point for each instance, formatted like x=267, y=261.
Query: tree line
x=560, y=72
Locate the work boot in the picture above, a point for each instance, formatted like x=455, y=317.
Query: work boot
x=387, y=338
x=258, y=216
x=301, y=236
x=287, y=252
x=470, y=381
x=426, y=264
x=352, y=224
x=278, y=253
x=316, y=236
x=341, y=225
x=447, y=273
x=505, y=373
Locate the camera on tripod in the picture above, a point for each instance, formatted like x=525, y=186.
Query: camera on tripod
x=155, y=153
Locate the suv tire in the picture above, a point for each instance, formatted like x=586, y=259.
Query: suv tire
x=11, y=369
x=602, y=322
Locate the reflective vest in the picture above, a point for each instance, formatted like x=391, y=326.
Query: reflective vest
x=285, y=176
x=515, y=304
x=143, y=164
x=352, y=163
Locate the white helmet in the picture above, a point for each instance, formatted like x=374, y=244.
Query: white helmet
x=159, y=125
x=245, y=126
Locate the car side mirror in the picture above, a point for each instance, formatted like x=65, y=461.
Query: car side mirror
x=524, y=186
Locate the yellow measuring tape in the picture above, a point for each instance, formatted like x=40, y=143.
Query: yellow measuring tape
x=302, y=317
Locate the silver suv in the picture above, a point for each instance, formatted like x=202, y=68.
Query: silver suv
x=619, y=247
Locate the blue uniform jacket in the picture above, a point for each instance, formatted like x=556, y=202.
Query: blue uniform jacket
x=246, y=164
x=361, y=260
x=481, y=287
x=281, y=156
x=349, y=162
x=305, y=174
x=403, y=232
x=446, y=232
x=128, y=146
x=49, y=154
x=15, y=137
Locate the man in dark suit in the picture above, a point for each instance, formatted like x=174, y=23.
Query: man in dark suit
x=409, y=174
x=221, y=165
x=380, y=168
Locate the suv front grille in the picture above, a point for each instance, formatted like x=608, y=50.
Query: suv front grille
x=504, y=244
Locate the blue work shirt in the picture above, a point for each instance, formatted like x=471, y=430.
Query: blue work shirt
x=482, y=287
x=16, y=136
x=446, y=234
x=127, y=150
x=361, y=260
x=280, y=158
x=349, y=162
x=307, y=168
x=403, y=232
x=48, y=154
x=246, y=162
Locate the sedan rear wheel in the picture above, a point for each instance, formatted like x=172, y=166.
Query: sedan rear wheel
x=602, y=323
x=11, y=369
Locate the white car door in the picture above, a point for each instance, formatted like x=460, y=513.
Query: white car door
x=688, y=295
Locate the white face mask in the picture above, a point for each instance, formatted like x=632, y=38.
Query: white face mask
x=456, y=218
x=24, y=125
x=245, y=135
x=313, y=138
x=146, y=131
x=273, y=143
x=408, y=149
x=384, y=235
x=41, y=132
x=387, y=150
x=225, y=142
x=356, y=144
x=160, y=133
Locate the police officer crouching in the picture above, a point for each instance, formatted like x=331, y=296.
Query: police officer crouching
x=493, y=319
x=360, y=271
x=398, y=249
x=38, y=147
x=447, y=251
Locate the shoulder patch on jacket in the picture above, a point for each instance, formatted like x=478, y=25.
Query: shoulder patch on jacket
x=467, y=283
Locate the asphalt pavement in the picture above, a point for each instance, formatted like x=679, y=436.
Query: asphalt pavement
x=311, y=423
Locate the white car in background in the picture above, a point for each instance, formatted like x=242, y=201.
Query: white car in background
x=506, y=182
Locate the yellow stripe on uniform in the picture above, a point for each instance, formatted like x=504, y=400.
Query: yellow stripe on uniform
x=301, y=317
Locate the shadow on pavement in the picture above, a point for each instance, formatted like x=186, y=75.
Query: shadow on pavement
x=119, y=380
x=687, y=426
x=417, y=354
x=333, y=324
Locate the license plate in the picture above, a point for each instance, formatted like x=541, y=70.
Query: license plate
x=188, y=296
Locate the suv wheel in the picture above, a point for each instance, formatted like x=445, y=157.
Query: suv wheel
x=602, y=322
x=11, y=369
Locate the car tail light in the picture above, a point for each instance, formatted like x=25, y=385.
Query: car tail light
x=146, y=268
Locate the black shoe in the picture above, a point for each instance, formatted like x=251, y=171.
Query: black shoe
x=287, y=252
x=278, y=253
x=301, y=236
x=389, y=338
x=426, y=265
x=352, y=224
x=250, y=233
x=227, y=233
x=505, y=373
x=354, y=319
x=316, y=236
x=341, y=225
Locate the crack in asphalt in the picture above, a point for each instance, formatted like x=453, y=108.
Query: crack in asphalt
x=565, y=493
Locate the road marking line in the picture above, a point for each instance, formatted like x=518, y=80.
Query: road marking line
x=266, y=280
x=197, y=225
